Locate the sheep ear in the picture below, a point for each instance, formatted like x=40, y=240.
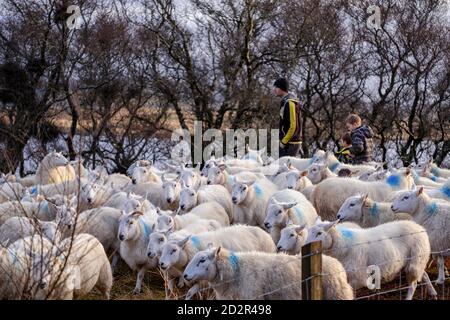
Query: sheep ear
x=298, y=230
x=183, y=242
x=408, y=171
x=249, y=183
x=222, y=166
x=420, y=191
x=290, y=205
x=330, y=225
x=365, y=197
x=303, y=174
x=318, y=220
x=137, y=214
x=217, y=252
x=197, y=167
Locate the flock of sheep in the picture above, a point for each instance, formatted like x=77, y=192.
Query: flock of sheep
x=232, y=230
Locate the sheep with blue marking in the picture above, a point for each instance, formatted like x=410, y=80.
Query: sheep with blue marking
x=442, y=193
x=368, y=213
x=329, y=195
x=288, y=206
x=434, y=216
x=16, y=228
x=134, y=233
x=250, y=200
x=177, y=254
x=219, y=175
x=247, y=275
x=433, y=169
x=42, y=210
x=394, y=247
x=169, y=221
x=190, y=198
x=293, y=237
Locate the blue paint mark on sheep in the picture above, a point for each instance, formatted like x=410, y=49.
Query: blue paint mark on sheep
x=393, y=181
x=234, y=261
x=258, y=191
x=374, y=210
x=299, y=214
x=432, y=208
x=195, y=242
x=435, y=171
x=34, y=190
x=434, y=178
x=147, y=229
x=333, y=167
x=347, y=234
x=446, y=191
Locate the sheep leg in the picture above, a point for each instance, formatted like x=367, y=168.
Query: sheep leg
x=139, y=279
x=192, y=291
x=114, y=262
x=411, y=290
x=431, y=291
x=441, y=264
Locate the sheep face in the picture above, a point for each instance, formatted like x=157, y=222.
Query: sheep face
x=293, y=180
x=276, y=213
x=216, y=175
x=171, y=254
x=165, y=223
x=320, y=232
x=141, y=175
x=209, y=164
x=57, y=159
x=202, y=266
x=132, y=205
x=351, y=209
x=239, y=192
x=188, y=199
x=89, y=192
x=129, y=227
x=292, y=237
x=315, y=173
x=155, y=244
x=407, y=201
x=255, y=155
x=171, y=190
x=189, y=177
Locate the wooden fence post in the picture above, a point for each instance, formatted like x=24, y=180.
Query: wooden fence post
x=311, y=271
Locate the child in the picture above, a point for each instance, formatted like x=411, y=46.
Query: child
x=344, y=155
x=361, y=135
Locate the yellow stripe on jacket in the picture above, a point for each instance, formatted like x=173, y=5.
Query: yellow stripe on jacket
x=293, y=123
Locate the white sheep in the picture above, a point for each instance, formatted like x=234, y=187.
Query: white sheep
x=442, y=193
x=330, y=160
x=54, y=168
x=434, y=216
x=10, y=191
x=171, y=192
x=319, y=172
x=434, y=169
x=219, y=175
x=153, y=192
x=393, y=247
x=176, y=255
x=250, y=200
x=190, y=198
x=134, y=233
x=368, y=213
x=329, y=195
x=190, y=176
x=247, y=275
x=43, y=210
x=16, y=228
x=142, y=174
x=82, y=266
x=169, y=221
x=293, y=237
x=288, y=205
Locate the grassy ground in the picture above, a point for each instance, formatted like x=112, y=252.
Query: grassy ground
x=153, y=287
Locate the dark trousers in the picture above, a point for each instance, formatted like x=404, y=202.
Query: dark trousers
x=290, y=150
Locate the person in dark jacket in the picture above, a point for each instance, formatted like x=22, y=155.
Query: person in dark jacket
x=290, y=120
x=362, y=143
x=344, y=155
